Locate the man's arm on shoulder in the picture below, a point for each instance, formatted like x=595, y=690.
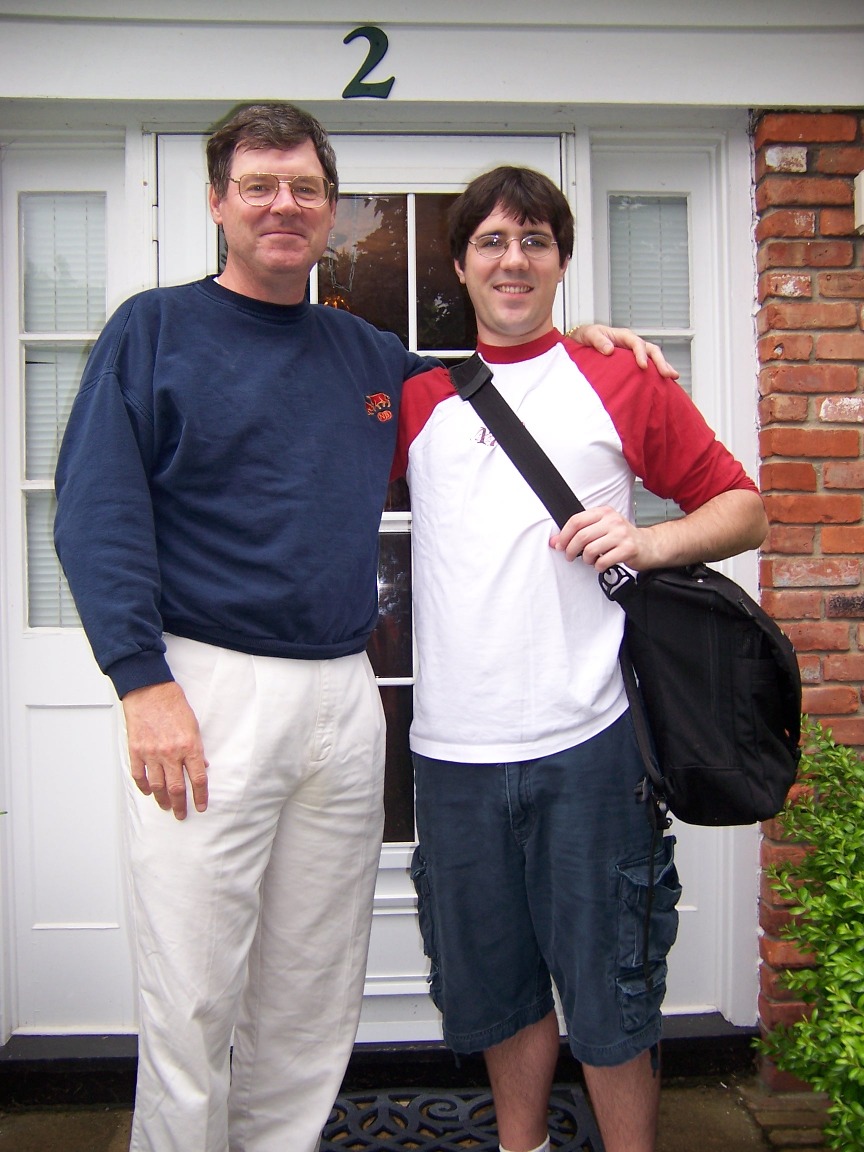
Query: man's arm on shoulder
x=165, y=747
x=729, y=523
x=605, y=339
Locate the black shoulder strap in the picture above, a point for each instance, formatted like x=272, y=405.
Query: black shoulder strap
x=473, y=381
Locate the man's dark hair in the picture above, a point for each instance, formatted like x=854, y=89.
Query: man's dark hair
x=267, y=126
x=521, y=192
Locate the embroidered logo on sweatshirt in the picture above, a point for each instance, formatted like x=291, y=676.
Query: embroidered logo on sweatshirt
x=484, y=436
x=378, y=404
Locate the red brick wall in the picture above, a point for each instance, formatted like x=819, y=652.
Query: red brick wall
x=811, y=349
x=811, y=354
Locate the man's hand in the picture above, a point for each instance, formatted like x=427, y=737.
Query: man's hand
x=603, y=537
x=725, y=525
x=606, y=340
x=165, y=742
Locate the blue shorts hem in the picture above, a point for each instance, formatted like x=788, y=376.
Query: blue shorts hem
x=622, y=1052
x=484, y=1038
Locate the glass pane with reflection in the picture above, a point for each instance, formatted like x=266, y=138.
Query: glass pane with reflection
x=63, y=261
x=679, y=352
x=52, y=373
x=390, y=644
x=398, y=499
x=649, y=257
x=365, y=267
x=445, y=318
x=399, y=772
x=49, y=600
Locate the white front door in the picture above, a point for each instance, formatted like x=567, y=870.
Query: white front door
x=67, y=960
x=387, y=261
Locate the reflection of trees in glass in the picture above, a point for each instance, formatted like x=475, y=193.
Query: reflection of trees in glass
x=398, y=499
x=365, y=267
x=445, y=318
x=399, y=774
x=390, y=654
x=390, y=644
x=63, y=258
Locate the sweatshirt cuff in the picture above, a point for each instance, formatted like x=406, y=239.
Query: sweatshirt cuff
x=138, y=671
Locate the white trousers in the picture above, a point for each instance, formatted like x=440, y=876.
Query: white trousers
x=255, y=915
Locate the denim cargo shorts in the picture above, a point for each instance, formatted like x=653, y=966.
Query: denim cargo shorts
x=538, y=871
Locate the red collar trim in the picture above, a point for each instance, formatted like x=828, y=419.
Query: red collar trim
x=514, y=353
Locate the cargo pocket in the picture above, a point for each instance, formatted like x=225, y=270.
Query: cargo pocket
x=420, y=880
x=637, y=968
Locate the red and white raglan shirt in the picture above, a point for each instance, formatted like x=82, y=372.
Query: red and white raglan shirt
x=517, y=647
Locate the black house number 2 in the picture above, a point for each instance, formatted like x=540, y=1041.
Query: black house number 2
x=359, y=85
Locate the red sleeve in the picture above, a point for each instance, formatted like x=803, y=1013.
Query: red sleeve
x=664, y=437
x=420, y=394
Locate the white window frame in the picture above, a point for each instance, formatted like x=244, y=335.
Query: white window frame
x=31, y=170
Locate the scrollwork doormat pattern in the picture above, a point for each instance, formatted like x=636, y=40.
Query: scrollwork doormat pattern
x=427, y=1120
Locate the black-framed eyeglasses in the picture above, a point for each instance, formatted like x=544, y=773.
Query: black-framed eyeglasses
x=536, y=245
x=260, y=189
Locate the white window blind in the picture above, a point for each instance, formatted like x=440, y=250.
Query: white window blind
x=649, y=282
x=63, y=245
x=49, y=601
x=62, y=292
x=52, y=373
x=649, y=261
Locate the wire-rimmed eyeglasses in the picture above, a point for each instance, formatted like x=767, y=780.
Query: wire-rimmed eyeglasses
x=536, y=245
x=260, y=189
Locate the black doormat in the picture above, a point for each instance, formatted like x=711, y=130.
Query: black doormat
x=428, y=1120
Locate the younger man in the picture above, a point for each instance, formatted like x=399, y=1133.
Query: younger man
x=533, y=857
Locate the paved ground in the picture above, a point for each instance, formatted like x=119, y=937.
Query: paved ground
x=721, y=1115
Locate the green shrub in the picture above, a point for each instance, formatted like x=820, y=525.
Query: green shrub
x=826, y=891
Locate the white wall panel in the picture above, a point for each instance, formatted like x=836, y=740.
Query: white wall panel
x=72, y=779
x=72, y=949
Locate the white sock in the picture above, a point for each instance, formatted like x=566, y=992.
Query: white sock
x=544, y=1147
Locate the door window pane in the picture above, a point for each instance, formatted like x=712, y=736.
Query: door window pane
x=678, y=352
x=649, y=261
x=390, y=644
x=63, y=261
x=649, y=280
x=52, y=373
x=49, y=601
x=398, y=499
x=445, y=316
x=388, y=261
x=365, y=267
x=399, y=772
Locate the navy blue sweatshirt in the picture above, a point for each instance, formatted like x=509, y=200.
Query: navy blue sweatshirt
x=222, y=477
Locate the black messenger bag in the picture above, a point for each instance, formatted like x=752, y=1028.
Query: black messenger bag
x=721, y=692
x=711, y=680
